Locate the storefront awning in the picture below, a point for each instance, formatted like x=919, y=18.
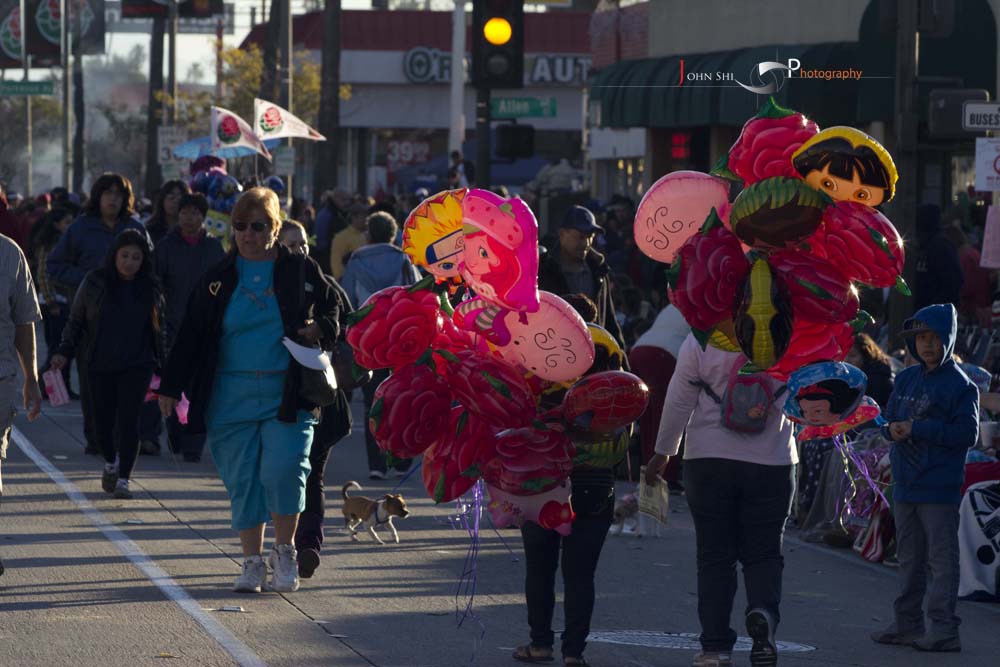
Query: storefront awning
x=649, y=92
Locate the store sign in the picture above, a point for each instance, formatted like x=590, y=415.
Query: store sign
x=426, y=65
x=987, y=165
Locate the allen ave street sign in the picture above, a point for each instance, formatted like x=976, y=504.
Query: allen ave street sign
x=980, y=116
x=21, y=88
x=522, y=107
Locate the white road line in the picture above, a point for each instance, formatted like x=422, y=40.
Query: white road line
x=242, y=653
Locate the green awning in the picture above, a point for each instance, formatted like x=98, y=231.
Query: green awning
x=649, y=93
x=645, y=93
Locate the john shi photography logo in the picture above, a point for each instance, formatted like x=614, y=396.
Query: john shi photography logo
x=768, y=77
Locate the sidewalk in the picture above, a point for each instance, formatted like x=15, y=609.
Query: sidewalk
x=70, y=597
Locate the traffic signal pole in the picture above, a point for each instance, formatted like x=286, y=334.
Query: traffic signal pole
x=483, y=143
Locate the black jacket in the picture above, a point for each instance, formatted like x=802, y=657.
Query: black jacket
x=84, y=323
x=193, y=359
x=551, y=279
x=179, y=265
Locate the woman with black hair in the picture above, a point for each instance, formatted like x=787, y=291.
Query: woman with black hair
x=166, y=209
x=83, y=248
x=53, y=299
x=116, y=318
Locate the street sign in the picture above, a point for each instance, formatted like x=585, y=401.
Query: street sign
x=283, y=160
x=169, y=138
x=980, y=116
x=987, y=164
x=522, y=107
x=21, y=88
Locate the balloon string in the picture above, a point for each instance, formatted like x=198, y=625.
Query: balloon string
x=852, y=458
x=470, y=572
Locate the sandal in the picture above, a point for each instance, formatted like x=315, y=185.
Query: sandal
x=570, y=661
x=534, y=654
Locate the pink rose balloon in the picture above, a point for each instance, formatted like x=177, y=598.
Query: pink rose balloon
x=675, y=208
x=553, y=343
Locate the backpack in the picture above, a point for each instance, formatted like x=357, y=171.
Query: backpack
x=746, y=401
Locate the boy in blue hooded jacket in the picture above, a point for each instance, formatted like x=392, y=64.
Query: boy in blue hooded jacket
x=933, y=416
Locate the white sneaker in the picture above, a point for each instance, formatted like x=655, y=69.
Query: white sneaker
x=284, y=568
x=253, y=578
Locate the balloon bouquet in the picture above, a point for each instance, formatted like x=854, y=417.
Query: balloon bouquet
x=209, y=177
x=468, y=380
x=773, y=273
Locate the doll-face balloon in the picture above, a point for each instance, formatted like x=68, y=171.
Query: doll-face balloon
x=500, y=255
x=553, y=343
x=824, y=394
x=432, y=234
x=847, y=165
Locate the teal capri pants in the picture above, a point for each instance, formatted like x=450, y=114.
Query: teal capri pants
x=263, y=462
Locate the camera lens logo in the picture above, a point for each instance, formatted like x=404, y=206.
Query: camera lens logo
x=767, y=78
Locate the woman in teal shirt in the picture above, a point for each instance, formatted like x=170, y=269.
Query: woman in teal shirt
x=243, y=384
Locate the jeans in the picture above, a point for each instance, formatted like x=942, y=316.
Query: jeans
x=580, y=553
x=87, y=401
x=117, y=397
x=739, y=511
x=376, y=457
x=927, y=548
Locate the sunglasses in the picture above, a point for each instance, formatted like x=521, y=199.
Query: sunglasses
x=256, y=226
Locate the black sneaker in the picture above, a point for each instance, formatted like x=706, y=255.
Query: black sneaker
x=108, y=480
x=149, y=448
x=760, y=627
x=308, y=562
x=192, y=457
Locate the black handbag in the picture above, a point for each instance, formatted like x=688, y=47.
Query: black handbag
x=318, y=387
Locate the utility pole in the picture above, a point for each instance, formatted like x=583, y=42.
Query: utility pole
x=26, y=61
x=272, y=35
x=904, y=207
x=285, y=75
x=327, y=152
x=483, y=143
x=65, y=38
x=155, y=112
x=79, y=110
x=172, y=63
x=456, y=125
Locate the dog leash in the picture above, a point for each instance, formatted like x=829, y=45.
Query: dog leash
x=409, y=472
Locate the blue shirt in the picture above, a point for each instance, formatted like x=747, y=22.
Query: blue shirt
x=251, y=328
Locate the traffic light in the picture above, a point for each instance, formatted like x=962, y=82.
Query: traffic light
x=498, y=43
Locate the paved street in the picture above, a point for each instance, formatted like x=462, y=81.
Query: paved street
x=92, y=581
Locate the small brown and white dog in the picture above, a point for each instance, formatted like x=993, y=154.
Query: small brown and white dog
x=359, y=509
x=626, y=512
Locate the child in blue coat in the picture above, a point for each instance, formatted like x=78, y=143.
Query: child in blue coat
x=933, y=416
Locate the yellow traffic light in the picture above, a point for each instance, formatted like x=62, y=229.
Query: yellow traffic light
x=497, y=31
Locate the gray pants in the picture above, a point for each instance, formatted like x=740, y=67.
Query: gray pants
x=927, y=547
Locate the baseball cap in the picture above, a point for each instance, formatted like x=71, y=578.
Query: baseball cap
x=914, y=327
x=580, y=219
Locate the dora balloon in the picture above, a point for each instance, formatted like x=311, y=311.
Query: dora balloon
x=848, y=165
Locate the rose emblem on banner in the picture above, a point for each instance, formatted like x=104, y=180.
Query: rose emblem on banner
x=271, y=121
x=10, y=34
x=229, y=130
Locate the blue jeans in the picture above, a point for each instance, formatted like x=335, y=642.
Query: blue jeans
x=739, y=511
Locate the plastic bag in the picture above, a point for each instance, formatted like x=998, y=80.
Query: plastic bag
x=55, y=387
x=654, y=505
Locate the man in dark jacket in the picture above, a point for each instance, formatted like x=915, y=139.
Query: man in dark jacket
x=180, y=259
x=575, y=267
x=938, y=276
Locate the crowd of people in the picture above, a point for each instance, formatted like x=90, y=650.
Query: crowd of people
x=137, y=299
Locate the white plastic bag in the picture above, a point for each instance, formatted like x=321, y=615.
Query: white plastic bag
x=654, y=505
